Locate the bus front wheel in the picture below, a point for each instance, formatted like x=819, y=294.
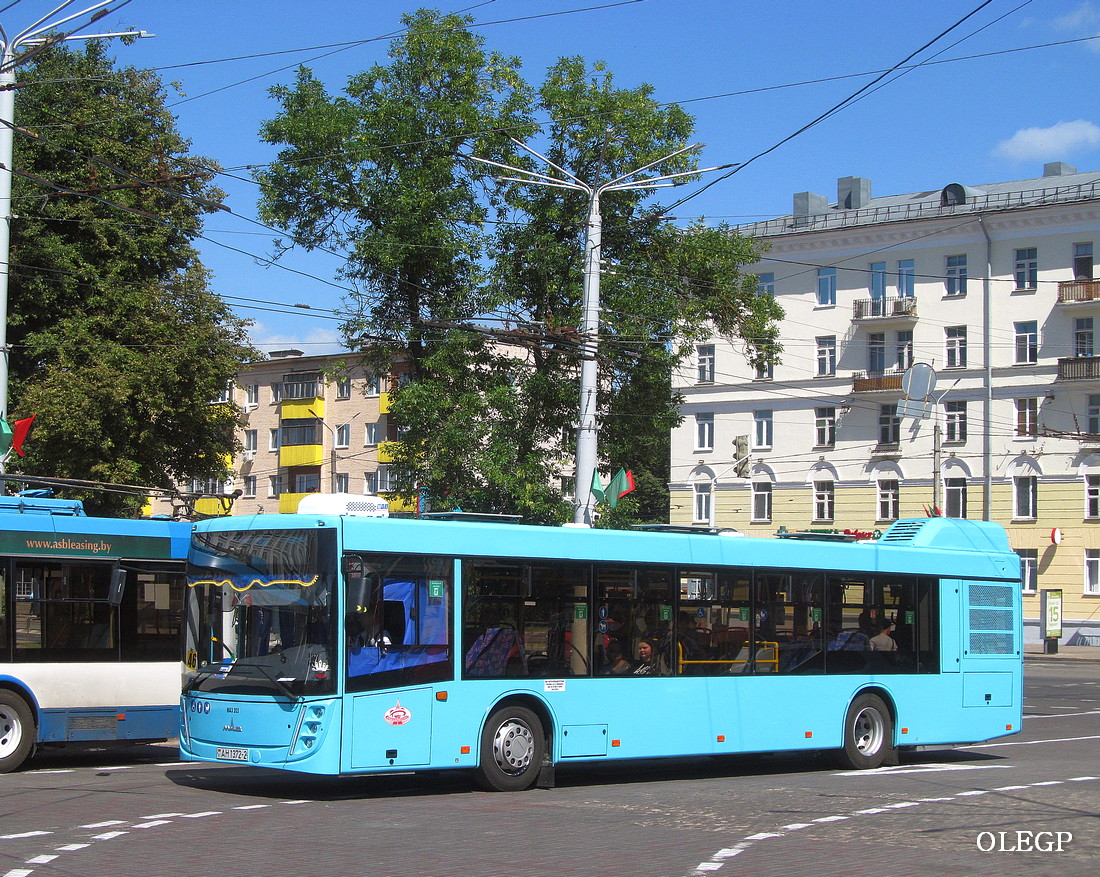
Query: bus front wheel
x=868, y=733
x=512, y=748
x=16, y=731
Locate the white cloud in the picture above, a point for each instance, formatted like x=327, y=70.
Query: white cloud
x=1082, y=21
x=1058, y=141
x=312, y=343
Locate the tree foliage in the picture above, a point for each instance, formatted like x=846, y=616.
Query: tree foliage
x=488, y=418
x=118, y=344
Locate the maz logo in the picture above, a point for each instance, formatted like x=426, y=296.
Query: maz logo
x=232, y=727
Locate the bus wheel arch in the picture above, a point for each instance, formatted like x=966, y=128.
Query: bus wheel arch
x=514, y=744
x=18, y=729
x=868, y=736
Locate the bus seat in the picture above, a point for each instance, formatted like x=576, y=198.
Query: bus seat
x=491, y=652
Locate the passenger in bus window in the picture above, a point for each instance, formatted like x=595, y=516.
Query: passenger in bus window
x=649, y=662
x=882, y=641
x=617, y=664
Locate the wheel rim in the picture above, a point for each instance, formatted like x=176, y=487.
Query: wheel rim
x=868, y=731
x=513, y=745
x=11, y=733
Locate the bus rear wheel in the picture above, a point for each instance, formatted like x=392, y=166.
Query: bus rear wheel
x=868, y=733
x=512, y=748
x=16, y=731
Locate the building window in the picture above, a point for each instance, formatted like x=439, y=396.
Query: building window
x=249, y=490
x=343, y=435
x=761, y=501
x=1029, y=569
x=370, y=483
x=705, y=364
x=1092, y=496
x=907, y=274
x=904, y=349
x=955, y=270
x=826, y=355
x=876, y=281
x=826, y=427
x=762, y=429
x=1026, y=491
x=386, y=480
x=1082, y=336
x=374, y=385
x=876, y=353
x=955, y=490
x=1092, y=570
x=1027, y=268
x=826, y=286
x=956, y=421
x=252, y=394
x=765, y=284
x=343, y=482
x=1027, y=417
x=274, y=485
x=765, y=372
x=302, y=386
x=305, y=481
x=955, y=338
x=704, y=432
x=300, y=431
x=889, y=499
x=276, y=393
x=343, y=388
x=1094, y=415
x=889, y=424
x=701, y=506
x=1082, y=261
x=823, y=500
x=370, y=434
x=1027, y=342
x=273, y=439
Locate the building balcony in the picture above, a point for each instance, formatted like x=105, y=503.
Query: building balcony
x=902, y=308
x=1078, y=292
x=874, y=381
x=300, y=455
x=386, y=452
x=1079, y=368
x=288, y=502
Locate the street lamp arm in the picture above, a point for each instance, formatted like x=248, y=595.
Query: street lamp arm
x=538, y=176
x=646, y=167
x=34, y=30
x=580, y=183
x=549, y=181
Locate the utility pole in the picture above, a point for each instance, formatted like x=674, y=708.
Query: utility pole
x=30, y=41
x=587, y=428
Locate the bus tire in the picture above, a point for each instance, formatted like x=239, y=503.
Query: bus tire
x=868, y=733
x=513, y=744
x=17, y=731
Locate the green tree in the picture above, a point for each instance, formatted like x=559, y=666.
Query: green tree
x=118, y=344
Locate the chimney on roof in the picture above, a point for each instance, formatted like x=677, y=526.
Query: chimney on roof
x=1058, y=169
x=808, y=205
x=852, y=192
x=283, y=354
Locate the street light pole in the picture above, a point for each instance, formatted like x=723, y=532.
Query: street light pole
x=586, y=460
x=35, y=36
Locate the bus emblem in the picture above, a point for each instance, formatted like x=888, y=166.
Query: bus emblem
x=397, y=715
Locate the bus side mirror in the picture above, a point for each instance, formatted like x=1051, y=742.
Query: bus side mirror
x=118, y=586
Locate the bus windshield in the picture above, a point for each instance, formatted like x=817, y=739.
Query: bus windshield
x=261, y=612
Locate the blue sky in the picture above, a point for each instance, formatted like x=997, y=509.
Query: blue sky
x=992, y=107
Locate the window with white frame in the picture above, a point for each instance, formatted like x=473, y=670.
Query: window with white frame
x=1093, y=415
x=343, y=435
x=252, y=394
x=226, y=394
x=374, y=385
x=762, y=429
x=1082, y=261
x=904, y=349
x=826, y=286
x=704, y=432
x=825, y=426
x=370, y=483
x=1092, y=496
x=889, y=424
x=826, y=355
x=249, y=487
x=274, y=485
x=1027, y=268
x=765, y=283
x=273, y=439
x=1092, y=570
x=1083, y=337
x=889, y=499
x=343, y=388
x=876, y=281
x=955, y=412
x=705, y=364
x=370, y=434
x=1025, y=489
x=907, y=275
x=386, y=481
x=955, y=494
x=1029, y=569
x=343, y=482
x=824, y=495
x=876, y=352
x=701, y=506
x=955, y=274
x=1027, y=417
x=761, y=501
x=277, y=392
x=955, y=342
x=251, y=440
x=1027, y=342
x=765, y=372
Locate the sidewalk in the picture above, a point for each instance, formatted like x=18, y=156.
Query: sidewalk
x=1034, y=652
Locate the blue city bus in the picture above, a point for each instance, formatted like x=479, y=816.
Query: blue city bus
x=90, y=617
x=338, y=644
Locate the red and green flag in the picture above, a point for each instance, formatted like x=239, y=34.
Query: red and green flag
x=620, y=486
x=13, y=436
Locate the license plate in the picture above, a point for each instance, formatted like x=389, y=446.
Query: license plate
x=226, y=753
